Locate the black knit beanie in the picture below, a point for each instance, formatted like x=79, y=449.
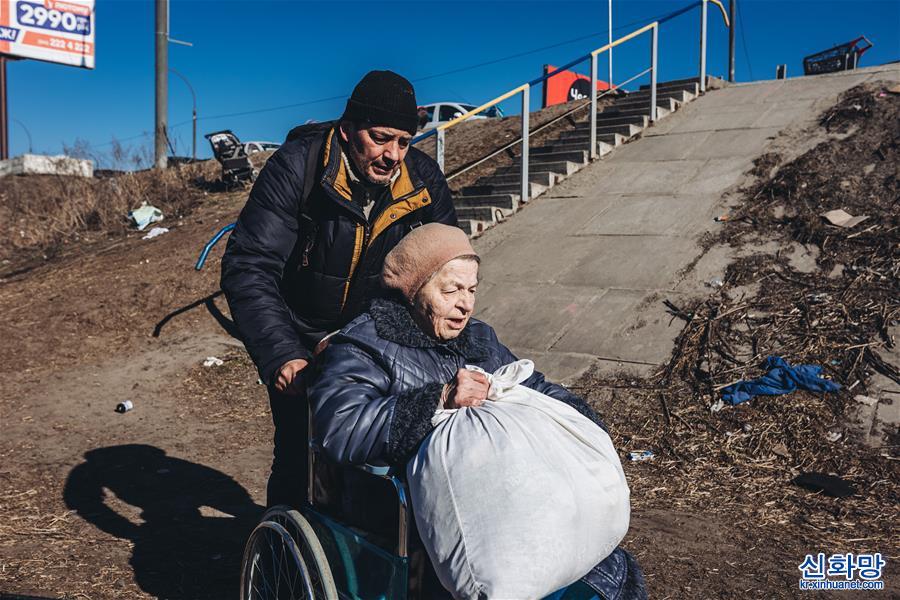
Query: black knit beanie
x=384, y=98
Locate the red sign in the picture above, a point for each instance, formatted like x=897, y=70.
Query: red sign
x=566, y=86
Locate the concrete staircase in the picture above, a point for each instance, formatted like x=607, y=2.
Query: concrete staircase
x=497, y=196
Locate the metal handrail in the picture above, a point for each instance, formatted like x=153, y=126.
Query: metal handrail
x=525, y=88
x=552, y=121
x=543, y=78
x=484, y=106
x=625, y=38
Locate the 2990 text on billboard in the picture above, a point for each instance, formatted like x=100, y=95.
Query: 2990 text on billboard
x=51, y=30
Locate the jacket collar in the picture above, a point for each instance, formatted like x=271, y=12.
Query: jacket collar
x=338, y=176
x=394, y=323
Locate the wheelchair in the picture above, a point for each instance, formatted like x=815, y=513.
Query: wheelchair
x=325, y=551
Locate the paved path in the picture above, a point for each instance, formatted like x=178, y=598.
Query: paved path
x=577, y=277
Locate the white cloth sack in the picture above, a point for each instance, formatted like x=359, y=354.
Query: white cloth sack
x=519, y=497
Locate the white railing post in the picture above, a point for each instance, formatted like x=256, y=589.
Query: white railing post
x=703, y=45
x=439, y=148
x=593, y=106
x=526, y=101
x=654, y=39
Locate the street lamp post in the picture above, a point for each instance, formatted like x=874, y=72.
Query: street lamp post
x=194, y=115
x=28, y=133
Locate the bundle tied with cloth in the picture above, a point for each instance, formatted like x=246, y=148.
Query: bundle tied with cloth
x=517, y=497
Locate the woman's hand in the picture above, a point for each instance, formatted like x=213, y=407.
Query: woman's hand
x=468, y=388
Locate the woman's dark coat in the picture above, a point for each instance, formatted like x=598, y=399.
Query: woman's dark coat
x=380, y=382
x=381, y=378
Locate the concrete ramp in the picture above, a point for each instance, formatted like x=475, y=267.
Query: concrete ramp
x=577, y=278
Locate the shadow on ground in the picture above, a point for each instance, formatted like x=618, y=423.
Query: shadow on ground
x=188, y=522
x=210, y=303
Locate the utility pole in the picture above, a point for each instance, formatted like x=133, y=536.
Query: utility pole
x=609, y=52
x=731, y=11
x=4, y=116
x=162, y=83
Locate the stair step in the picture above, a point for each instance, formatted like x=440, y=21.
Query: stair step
x=662, y=113
x=677, y=95
x=583, y=136
x=676, y=84
x=563, y=168
x=544, y=178
x=625, y=130
x=505, y=201
x=670, y=104
x=617, y=112
x=472, y=227
x=488, y=215
x=608, y=119
x=534, y=189
x=572, y=143
x=576, y=156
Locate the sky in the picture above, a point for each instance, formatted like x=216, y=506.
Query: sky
x=261, y=67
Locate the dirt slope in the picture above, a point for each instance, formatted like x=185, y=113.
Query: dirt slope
x=157, y=502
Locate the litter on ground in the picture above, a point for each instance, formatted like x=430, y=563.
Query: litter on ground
x=155, y=232
x=781, y=378
x=640, y=455
x=842, y=218
x=829, y=485
x=144, y=215
x=124, y=407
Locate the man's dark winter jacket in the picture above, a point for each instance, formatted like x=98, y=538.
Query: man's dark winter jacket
x=291, y=278
x=380, y=382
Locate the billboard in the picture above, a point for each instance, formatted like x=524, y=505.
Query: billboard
x=566, y=86
x=59, y=31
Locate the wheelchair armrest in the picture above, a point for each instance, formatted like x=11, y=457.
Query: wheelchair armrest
x=378, y=470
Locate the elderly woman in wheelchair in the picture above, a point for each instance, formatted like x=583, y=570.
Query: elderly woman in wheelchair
x=379, y=383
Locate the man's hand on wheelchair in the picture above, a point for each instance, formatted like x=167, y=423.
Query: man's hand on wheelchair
x=468, y=388
x=288, y=382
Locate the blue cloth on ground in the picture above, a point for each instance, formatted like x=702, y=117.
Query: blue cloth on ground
x=781, y=378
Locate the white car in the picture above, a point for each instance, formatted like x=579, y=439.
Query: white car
x=432, y=115
x=254, y=147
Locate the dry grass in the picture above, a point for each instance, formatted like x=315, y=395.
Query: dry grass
x=740, y=461
x=40, y=215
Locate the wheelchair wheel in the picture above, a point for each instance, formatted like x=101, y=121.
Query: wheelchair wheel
x=283, y=560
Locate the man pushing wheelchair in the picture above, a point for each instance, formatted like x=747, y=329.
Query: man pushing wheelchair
x=349, y=228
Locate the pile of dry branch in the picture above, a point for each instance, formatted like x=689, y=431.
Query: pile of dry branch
x=838, y=314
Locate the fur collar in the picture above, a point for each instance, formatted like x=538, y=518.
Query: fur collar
x=394, y=323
